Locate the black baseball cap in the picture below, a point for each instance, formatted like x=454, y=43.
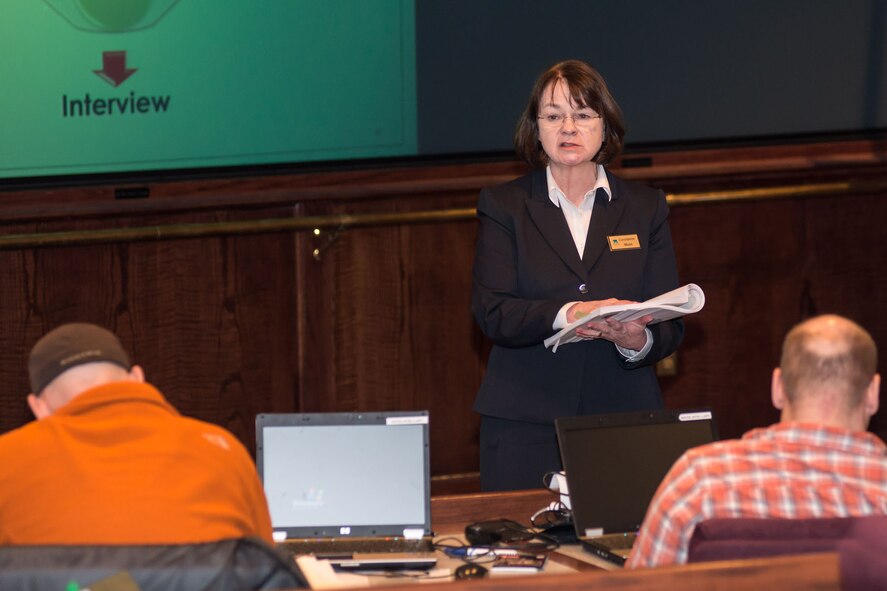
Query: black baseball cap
x=71, y=345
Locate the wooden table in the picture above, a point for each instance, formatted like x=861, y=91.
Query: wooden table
x=576, y=572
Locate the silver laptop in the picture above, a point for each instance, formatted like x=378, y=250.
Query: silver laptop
x=350, y=487
x=614, y=464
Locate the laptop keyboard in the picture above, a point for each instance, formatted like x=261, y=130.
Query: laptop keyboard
x=336, y=547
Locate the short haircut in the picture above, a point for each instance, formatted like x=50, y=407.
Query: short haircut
x=587, y=89
x=828, y=354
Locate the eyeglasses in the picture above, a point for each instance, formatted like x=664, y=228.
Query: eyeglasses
x=553, y=120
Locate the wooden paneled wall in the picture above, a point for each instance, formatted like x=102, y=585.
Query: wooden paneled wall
x=230, y=323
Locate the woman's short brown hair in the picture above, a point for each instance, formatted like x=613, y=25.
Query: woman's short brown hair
x=587, y=89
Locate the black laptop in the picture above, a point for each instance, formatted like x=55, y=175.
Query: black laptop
x=350, y=487
x=614, y=464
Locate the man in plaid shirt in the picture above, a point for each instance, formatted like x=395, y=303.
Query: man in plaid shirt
x=818, y=461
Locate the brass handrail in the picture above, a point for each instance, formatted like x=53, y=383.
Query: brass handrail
x=239, y=228
x=317, y=224
x=813, y=190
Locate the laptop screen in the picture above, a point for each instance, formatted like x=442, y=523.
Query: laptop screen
x=346, y=474
x=614, y=463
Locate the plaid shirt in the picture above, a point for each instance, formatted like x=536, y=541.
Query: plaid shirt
x=788, y=470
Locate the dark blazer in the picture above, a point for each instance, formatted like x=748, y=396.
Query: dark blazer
x=526, y=268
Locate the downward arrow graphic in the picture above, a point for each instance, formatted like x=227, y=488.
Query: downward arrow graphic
x=115, y=71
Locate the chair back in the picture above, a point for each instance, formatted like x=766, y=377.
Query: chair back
x=861, y=543
x=242, y=564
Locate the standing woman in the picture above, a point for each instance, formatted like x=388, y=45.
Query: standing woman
x=543, y=259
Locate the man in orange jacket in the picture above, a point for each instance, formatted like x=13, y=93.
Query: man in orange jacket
x=110, y=461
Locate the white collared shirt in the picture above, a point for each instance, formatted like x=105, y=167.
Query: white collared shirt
x=579, y=219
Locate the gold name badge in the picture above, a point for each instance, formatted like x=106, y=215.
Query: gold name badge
x=624, y=242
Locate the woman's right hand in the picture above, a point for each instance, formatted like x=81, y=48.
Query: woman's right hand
x=580, y=309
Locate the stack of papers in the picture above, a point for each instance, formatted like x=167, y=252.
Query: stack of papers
x=679, y=302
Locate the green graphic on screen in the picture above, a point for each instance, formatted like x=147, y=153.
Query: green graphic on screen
x=112, y=16
x=131, y=85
